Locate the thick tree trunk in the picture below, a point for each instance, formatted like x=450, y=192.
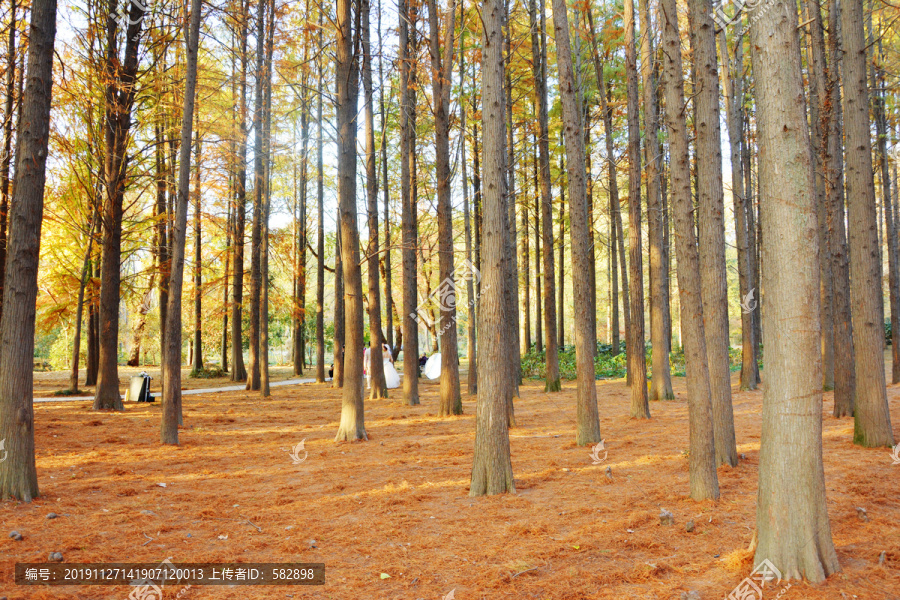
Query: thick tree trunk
x=6, y=158
x=640, y=408
x=872, y=425
x=408, y=216
x=18, y=474
x=352, y=425
x=171, y=408
x=792, y=518
x=79, y=311
x=587, y=430
x=702, y=459
x=492, y=466
x=661, y=376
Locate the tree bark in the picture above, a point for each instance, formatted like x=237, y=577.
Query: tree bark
x=587, y=429
x=661, y=377
x=352, y=426
x=18, y=474
x=792, y=522
x=872, y=424
x=238, y=370
x=171, y=408
x=408, y=215
x=539, y=61
x=376, y=361
x=320, y=233
x=702, y=459
x=197, y=366
x=640, y=408
x=120, y=92
x=492, y=466
x=471, y=350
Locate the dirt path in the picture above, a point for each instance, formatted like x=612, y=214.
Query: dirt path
x=399, y=505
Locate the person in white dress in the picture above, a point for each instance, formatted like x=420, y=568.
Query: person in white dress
x=391, y=377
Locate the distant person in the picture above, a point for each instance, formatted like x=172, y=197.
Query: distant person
x=422, y=360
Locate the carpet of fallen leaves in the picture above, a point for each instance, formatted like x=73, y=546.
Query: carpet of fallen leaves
x=391, y=518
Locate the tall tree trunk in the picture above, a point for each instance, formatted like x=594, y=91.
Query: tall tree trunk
x=171, y=408
x=339, y=319
x=711, y=212
x=492, y=466
x=238, y=370
x=18, y=474
x=121, y=80
x=872, y=425
x=661, y=377
x=471, y=350
x=352, y=425
x=538, y=255
x=376, y=353
x=197, y=366
x=561, y=325
x=587, y=429
x=792, y=523
x=6, y=158
x=79, y=311
x=259, y=173
x=442, y=77
x=734, y=93
x=640, y=408
x=388, y=293
x=408, y=216
x=539, y=61
x=702, y=458
x=512, y=289
x=266, y=209
x=320, y=233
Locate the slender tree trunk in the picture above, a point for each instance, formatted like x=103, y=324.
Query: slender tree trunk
x=538, y=255
x=539, y=61
x=320, y=234
x=352, y=425
x=587, y=429
x=18, y=474
x=872, y=426
x=6, y=159
x=376, y=358
x=197, y=365
x=471, y=350
x=410, y=325
x=792, y=523
x=388, y=297
x=661, y=377
x=712, y=226
x=442, y=76
x=339, y=319
x=259, y=170
x=561, y=326
x=266, y=209
x=512, y=289
x=79, y=311
x=492, y=466
x=238, y=370
x=640, y=408
x=171, y=409
x=734, y=86
x=702, y=458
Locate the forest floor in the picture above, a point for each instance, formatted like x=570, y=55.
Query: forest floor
x=398, y=505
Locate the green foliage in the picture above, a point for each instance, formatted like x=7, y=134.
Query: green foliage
x=211, y=372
